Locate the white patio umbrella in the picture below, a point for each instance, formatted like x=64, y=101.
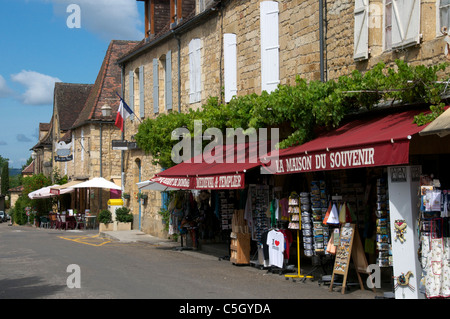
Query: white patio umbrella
x=155, y=186
x=97, y=182
x=43, y=192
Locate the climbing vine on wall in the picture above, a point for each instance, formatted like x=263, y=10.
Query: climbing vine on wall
x=299, y=108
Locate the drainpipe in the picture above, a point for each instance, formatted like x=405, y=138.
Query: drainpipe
x=122, y=172
x=101, y=166
x=322, y=76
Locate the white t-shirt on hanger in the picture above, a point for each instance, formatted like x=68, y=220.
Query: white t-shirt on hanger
x=275, y=242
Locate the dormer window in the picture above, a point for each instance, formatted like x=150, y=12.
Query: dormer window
x=175, y=12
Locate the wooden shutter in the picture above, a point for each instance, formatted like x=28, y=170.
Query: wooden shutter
x=270, y=61
x=230, y=65
x=141, y=92
x=361, y=30
x=194, y=71
x=155, y=86
x=405, y=23
x=131, y=90
x=168, y=86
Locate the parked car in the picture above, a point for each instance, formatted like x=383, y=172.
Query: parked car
x=3, y=216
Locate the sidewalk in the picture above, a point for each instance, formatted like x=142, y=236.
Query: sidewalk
x=134, y=236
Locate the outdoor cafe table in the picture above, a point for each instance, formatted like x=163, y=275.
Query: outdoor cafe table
x=90, y=221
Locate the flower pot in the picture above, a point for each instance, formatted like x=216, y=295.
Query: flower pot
x=105, y=227
x=118, y=226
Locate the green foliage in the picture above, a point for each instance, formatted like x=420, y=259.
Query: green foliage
x=123, y=215
x=105, y=217
x=18, y=214
x=5, y=178
x=298, y=109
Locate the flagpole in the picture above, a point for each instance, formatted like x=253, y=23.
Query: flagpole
x=131, y=113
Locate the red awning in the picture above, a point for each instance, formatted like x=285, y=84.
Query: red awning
x=377, y=141
x=224, y=169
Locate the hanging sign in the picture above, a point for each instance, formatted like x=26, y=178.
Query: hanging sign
x=63, y=151
x=120, y=145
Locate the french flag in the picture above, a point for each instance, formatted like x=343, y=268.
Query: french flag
x=123, y=113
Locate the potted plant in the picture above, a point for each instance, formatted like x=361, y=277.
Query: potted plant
x=105, y=220
x=126, y=196
x=123, y=219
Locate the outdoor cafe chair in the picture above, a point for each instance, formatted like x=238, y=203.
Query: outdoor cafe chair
x=80, y=220
x=44, y=222
x=53, y=220
x=61, y=220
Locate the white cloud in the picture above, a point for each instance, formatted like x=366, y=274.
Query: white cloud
x=5, y=91
x=109, y=19
x=39, y=87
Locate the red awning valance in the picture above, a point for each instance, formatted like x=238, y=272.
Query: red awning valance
x=376, y=141
x=225, y=169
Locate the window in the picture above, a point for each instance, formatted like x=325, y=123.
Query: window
x=270, y=64
x=195, y=89
x=230, y=66
x=361, y=30
x=175, y=12
x=405, y=23
x=443, y=23
x=388, y=25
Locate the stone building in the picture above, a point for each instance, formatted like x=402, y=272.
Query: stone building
x=195, y=49
x=42, y=151
x=92, y=132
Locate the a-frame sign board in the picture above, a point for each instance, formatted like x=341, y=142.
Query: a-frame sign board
x=350, y=246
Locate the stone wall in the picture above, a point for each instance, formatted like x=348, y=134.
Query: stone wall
x=299, y=42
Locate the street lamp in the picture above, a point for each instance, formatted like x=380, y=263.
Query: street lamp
x=106, y=110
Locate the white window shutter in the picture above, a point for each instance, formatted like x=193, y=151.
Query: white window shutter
x=131, y=90
x=405, y=23
x=361, y=30
x=141, y=92
x=270, y=61
x=195, y=71
x=230, y=65
x=168, y=86
x=155, y=86
x=444, y=16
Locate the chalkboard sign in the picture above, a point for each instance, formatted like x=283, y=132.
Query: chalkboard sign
x=350, y=246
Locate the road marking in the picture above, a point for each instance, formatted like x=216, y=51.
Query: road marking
x=85, y=239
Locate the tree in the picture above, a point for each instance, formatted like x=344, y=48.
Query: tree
x=5, y=178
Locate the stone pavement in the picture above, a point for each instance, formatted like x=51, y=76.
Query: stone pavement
x=208, y=252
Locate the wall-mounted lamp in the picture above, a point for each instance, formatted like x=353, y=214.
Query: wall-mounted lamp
x=106, y=110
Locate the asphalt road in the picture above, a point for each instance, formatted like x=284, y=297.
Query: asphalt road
x=50, y=264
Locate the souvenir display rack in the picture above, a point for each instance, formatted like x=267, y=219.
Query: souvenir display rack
x=294, y=202
x=383, y=238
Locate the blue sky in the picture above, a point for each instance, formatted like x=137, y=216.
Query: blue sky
x=38, y=48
